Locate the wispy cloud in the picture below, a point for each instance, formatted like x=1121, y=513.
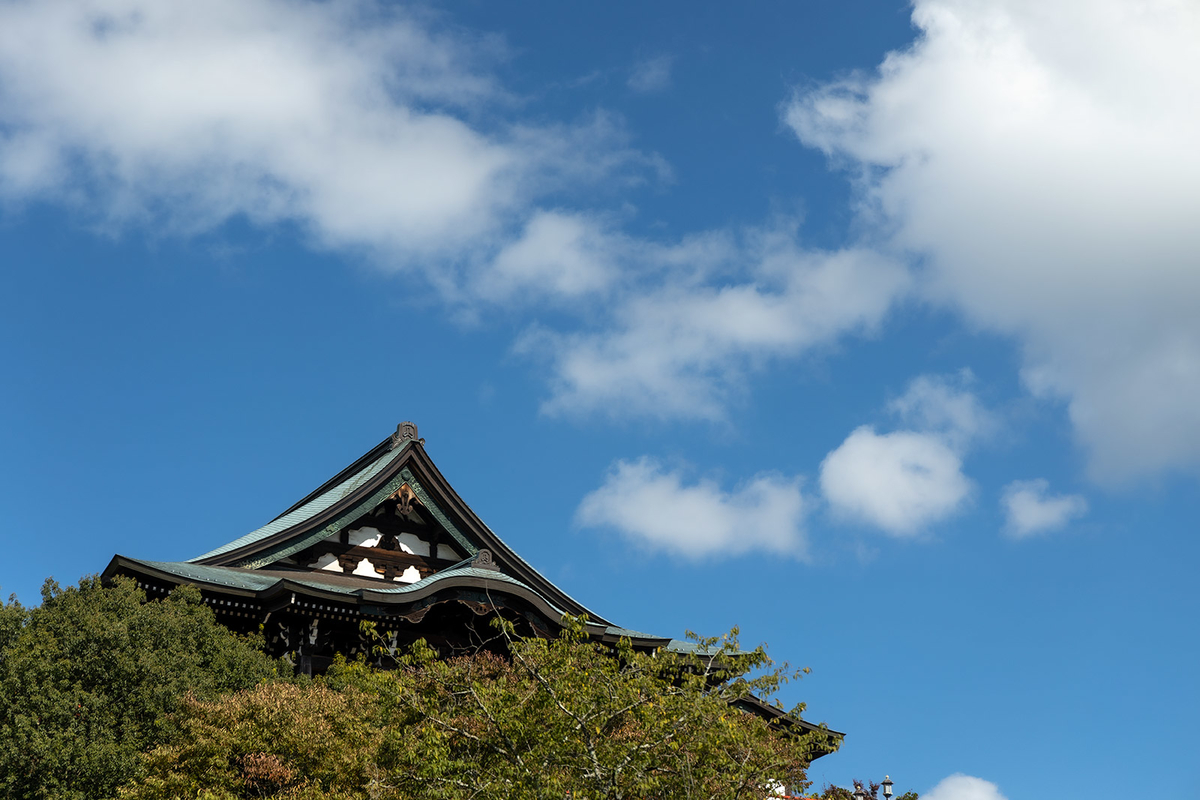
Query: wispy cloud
x=652, y=74
x=385, y=137
x=1049, y=191
x=681, y=347
x=1030, y=509
x=944, y=405
x=563, y=254
x=656, y=507
x=357, y=122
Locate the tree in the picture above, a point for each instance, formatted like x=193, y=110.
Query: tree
x=281, y=739
x=547, y=718
x=13, y=617
x=90, y=678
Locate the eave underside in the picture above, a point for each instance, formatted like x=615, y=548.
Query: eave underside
x=267, y=589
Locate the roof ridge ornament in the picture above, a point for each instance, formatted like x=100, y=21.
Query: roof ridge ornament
x=483, y=560
x=405, y=431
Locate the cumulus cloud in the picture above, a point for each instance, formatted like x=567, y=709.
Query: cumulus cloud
x=682, y=348
x=964, y=787
x=1030, y=509
x=899, y=482
x=652, y=74
x=655, y=506
x=308, y=112
x=1041, y=160
x=904, y=481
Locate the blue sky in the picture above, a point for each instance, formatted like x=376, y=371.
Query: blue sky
x=869, y=327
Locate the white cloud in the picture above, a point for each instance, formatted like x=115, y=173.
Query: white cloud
x=899, y=482
x=652, y=75
x=682, y=348
x=354, y=120
x=903, y=482
x=558, y=253
x=1041, y=159
x=380, y=134
x=1031, y=510
x=651, y=505
x=305, y=112
x=964, y=787
x=942, y=405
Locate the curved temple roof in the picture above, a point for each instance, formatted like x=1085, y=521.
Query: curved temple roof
x=261, y=562
x=355, y=491
x=271, y=566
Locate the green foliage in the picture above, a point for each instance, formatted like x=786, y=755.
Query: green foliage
x=13, y=617
x=556, y=718
x=90, y=678
x=275, y=740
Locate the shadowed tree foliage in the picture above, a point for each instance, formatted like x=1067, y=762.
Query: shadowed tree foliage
x=90, y=679
x=12, y=618
x=556, y=718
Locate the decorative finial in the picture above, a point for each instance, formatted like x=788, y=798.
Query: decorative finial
x=483, y=560
x=405, y=431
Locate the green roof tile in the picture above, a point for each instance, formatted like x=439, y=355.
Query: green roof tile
x=311, y=508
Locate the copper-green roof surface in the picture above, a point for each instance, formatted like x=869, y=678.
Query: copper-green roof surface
x=310, y=509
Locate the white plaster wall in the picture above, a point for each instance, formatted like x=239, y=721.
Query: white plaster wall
x=410, y=575
x=329, y=561
x=411, y=543
x=367, y=537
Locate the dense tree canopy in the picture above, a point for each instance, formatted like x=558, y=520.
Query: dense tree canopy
x=103, y=694
x=559, y=718
x=90, y=679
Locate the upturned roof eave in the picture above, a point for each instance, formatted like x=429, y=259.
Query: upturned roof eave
x=498, y=546
x=757, y=705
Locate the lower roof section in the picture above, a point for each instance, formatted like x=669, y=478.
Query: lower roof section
x=272, y=587
x=258, y=592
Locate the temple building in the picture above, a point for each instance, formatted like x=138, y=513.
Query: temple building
x=387, y=540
